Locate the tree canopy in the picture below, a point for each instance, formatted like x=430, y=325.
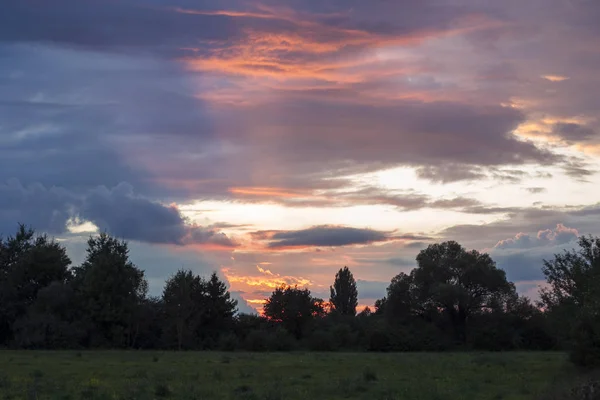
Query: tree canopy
x=454, y=299
x=344, y=295
x=294, y=308
x=458, y=281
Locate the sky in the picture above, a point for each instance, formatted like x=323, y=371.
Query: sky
x=278, y=141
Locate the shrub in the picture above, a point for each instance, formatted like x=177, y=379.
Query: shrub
x=228, y=342
x=344, y=336
x=321, y=341
x=379, y=341
x=256, y=341
x=281, y=340
x=585, y=351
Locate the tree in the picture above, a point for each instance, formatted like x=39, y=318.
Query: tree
x=51, y=321
x=344, y=295
x=572, y=298
x=183, y=297
x=573, y=278
x=294, y=308
x=28, y=263
x=459, y=282
x=219, y=310
x=398, y=305
x=110, y=289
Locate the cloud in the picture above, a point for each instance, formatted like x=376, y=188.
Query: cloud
x=450, y=173
x=578, y=170
x=555, y=78
x=44, y=209
x=326, y=236
x=122, y=213
x=573, y=132
x=548, y=237
x=118, y=211
x=535, y=190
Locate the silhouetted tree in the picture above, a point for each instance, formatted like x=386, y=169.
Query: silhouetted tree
x=52, y=321
x=399, y=303
x=294, y=308
x=183, y=296
x=574, y=278
x=572, y=298
x=110, y=289
x=344, y=295
x=458, y=281
x=103, y=302
x=219, y=308
x=27, y=265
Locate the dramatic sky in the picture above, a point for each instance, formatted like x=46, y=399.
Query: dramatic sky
x=279, y=140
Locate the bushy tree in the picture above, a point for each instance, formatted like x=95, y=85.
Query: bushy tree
x=399, y=304
x=28, y=264
x=110, y=289
x=183, y=297
x=294, y=308
x=344, y=295
x=199, y=310
x=460, y=282
x=103, y=302
x=219, y=308
x=572, y=297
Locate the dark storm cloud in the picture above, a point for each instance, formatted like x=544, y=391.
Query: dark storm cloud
x=327, y=236
x=108, y=24
x=125, y=24
x=123, y=214
x=45, y=209
x=117, y=211
x=78, y=119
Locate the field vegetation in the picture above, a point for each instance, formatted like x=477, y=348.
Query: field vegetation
x=277, y=376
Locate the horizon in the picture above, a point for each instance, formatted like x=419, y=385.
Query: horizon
x=277, y=142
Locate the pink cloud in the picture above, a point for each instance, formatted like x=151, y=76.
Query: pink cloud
x=547, y=237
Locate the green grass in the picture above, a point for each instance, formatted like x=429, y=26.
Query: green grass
x=260, y=376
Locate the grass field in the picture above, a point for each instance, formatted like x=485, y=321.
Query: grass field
x=261, y=376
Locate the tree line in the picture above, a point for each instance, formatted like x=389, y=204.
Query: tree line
x=454, y=299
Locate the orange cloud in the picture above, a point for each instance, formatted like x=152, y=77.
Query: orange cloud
x=264, y=280
x=311, y=49
x=225, y=13
x=555, y=78
x=271, y=192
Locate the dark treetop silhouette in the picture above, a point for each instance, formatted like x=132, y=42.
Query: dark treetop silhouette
x=454, y=299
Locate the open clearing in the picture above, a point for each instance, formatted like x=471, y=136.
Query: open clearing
x=272, y=376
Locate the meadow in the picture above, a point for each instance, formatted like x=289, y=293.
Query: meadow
x=143, y=375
